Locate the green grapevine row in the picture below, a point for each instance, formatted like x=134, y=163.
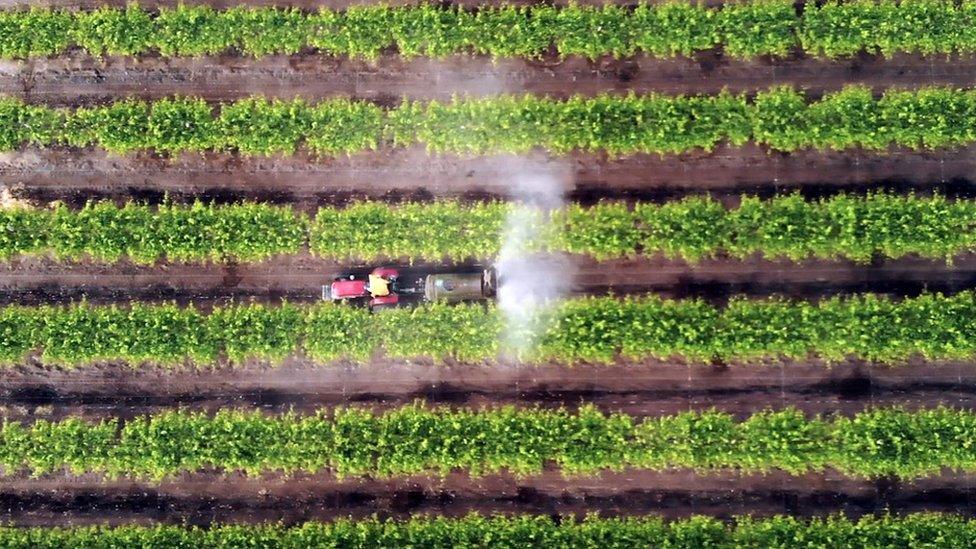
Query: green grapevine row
x=851, y=227
x=528, y=531
x=672, y=28
x=416, y=439
x=597, y=329
x=159, y=333
x=199, y=232
x=843, y=226
x=780, y=118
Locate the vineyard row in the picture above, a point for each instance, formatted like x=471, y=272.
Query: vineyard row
x=844, y=226
x=596, y=329
x=416, y=439
x=781, y=118
x=831, y=30
x=528, y=531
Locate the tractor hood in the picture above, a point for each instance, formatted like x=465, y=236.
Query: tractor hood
x=347, y=289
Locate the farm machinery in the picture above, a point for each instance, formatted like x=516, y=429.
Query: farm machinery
x=385, y=287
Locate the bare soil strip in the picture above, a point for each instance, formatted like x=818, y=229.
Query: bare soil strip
x=79, y=79
x=299, y=278
x=207, y=499
x=413, y=173
x=649, y=388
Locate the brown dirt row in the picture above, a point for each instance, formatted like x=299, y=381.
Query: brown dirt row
x=649, y=388
x=299, y=278
x=79, y=79
x=413, y=173
x=206, y=499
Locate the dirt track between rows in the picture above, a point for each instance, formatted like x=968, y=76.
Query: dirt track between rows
x=412, y=173
x=207, y=499
x=79, y=79
x=299, y=278
x=650, y=388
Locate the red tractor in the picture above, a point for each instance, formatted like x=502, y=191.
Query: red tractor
x=389, y=287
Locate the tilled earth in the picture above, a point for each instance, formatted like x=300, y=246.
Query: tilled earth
x=80, y=79
x=205, y=499
x=413, y=174
x=650, y=388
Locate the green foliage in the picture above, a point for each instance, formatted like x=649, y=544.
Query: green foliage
x=102, y=231
x=592, y=31
x=164, y=334
x=476, y=126
x=674, y=27
x=620, y=125
x=360, y=31
x=599, y=329
x=336, y=331
x=430, y=31
x=34, y=33
x=839, y=227
x=691, y=229
x=416, y=439
x=594, y=329
x=927, y=441
x=512, y=31
x=911, y=530
x=22, y=124
x=256, y=331
x=603, y=231
x=466, y=332
x=744, y=28
x=18, y=332
x=199, y=232
x=340, y=126
x=857, y=228
x=928, y=118
x=757, y=27
x=265, y=31
x=121, y=127
x=845, y=119
x=192, y=31
x=23, y=231
x=849, y=227
x=246, y=232
x=780, y=118
x=83, y=334
x=181, y=124
x=113, y=31
x=262, y=126
x=836, y=29
x=426, y=231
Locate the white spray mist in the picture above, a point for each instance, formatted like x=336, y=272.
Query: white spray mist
x=530, y=282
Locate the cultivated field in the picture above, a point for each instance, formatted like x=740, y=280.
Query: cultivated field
x=735, y=244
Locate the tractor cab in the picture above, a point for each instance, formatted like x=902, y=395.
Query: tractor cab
x=378, y=288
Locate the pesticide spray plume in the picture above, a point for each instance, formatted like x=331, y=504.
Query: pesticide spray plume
x=530, y=282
